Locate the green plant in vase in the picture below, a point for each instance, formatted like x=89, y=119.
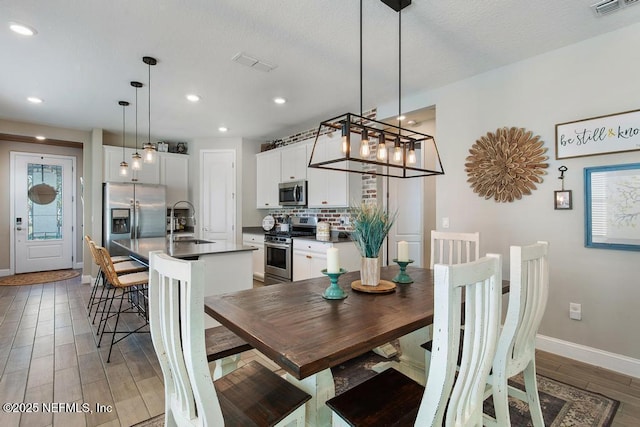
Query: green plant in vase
x=371, y=224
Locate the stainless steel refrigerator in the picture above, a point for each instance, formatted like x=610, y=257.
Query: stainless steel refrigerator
x=132, y=211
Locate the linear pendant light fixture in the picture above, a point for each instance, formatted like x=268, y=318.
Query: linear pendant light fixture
x=124, y=167
x=136, y=158
x=415, y=154
x=148, y=148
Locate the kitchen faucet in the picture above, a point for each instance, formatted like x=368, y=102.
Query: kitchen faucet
x=193, y=217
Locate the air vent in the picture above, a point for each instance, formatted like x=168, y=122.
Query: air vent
x=606, y=7
x=251, y=62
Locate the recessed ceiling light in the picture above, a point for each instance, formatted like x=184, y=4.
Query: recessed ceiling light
x=22, y=29
x=35, y=100
x=193, y=97
x=279, y=100
x=402, y=117
x=40, y=138
x=223, y=129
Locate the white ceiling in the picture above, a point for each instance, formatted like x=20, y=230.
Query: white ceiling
x=87, y=51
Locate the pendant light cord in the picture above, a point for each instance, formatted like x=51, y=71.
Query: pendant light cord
x=399, y=66
x=361, y=58
x=123, y=126
x=149, y=64
x=136, y=120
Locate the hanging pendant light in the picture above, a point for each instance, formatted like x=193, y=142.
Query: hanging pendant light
x=149, y=149
x=136, y=158
x=409, y=145
x=124, y=167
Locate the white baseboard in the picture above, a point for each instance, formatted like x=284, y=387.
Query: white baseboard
x=593, y=356
x=87, y=279
x=5, y=272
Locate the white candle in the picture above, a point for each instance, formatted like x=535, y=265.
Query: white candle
x=403, y=251
x=333, y=266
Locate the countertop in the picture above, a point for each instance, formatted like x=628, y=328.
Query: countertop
x=344, y=236
x=142, y=247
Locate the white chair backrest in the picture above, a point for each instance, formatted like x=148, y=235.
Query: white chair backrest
x=454, y=248
x=176, y=306
x=528, y=291
x=461, y=403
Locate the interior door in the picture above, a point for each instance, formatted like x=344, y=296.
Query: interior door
x=43, y=211
x=218, y=195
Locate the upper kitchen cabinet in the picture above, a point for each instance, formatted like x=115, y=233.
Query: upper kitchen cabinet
x=328, y=188
x=149, y=174
x=268, y=178
x=294, y=162
x=174, y=174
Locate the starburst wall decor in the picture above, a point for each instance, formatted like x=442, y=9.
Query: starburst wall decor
x=507, y=164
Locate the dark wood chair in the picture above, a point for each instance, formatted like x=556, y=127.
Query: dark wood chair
x=251, y=395
x=450, y=397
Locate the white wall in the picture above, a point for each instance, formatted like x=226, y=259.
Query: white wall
x=595, y=77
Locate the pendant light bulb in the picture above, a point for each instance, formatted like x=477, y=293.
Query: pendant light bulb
x=346, y=148
x=124, y=167
x=136, y=158
x=149, y=149
x=364, y=144
x=411, y=159
x=382, y=148
x=397, y=150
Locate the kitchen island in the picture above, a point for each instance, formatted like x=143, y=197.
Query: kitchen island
x=228, y=266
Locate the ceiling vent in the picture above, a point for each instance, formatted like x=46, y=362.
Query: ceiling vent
x=606, y=7
x=251, y=62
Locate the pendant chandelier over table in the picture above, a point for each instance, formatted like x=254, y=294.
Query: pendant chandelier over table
x=414, y=154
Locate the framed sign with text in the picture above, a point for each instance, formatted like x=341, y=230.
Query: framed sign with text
x=599, y=135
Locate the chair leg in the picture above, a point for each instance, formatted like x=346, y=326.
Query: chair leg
x=102, y=299
x=115, y=327
x=533, y=398
x=500, y=393
x=105, y=314
x=93, y=292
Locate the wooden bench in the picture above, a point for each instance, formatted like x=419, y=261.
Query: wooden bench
x=224, y=347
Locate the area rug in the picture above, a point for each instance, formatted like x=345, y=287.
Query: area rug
x=562, y=404
x=40, y=277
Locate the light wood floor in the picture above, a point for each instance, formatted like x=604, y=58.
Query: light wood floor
x=48, y=354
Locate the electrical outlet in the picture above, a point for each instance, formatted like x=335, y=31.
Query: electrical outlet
x=445, y=222
x=575, y=311
x=344, y=220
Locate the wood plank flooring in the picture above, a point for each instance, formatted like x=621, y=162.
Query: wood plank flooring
x=48, y=354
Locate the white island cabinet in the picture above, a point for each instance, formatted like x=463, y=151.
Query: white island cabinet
x=310, y=257
x=256, y=241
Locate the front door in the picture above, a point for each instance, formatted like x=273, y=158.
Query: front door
x=43, y=211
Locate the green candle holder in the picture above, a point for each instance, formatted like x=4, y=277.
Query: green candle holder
x=402, y=276
x=334, y=291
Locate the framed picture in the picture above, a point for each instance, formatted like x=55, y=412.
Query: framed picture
x=563, y=199
x=612, y=207
x=613, y=133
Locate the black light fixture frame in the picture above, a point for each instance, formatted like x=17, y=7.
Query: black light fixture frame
x=350, y=124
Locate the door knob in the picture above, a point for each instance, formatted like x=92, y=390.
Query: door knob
x=19, y=228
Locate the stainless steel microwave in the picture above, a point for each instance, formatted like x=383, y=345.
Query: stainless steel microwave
x=292, y=193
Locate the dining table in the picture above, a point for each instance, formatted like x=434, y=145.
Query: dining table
x=306, y=335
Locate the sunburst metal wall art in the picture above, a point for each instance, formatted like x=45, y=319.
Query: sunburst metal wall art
x=507, y=164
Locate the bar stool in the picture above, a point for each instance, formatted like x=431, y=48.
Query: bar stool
x=127, y=284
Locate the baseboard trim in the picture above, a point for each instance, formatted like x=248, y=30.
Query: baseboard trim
x=87, y=279
x=593, y=356
x=5, y=272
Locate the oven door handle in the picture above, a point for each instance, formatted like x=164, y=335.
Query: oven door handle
x=277, y=245
x=296, y=195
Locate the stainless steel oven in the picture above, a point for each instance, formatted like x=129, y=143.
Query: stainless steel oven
x=277, y=259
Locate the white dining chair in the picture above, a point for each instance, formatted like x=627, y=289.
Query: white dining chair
x=455, y=397
x=528, y=291
x=454, y=248
x=251, y=395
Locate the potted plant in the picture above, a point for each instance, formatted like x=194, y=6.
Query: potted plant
x=370, y=227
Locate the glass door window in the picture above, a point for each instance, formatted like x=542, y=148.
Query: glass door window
x=44, y=202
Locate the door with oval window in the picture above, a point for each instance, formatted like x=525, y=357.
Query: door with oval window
x=43, y=212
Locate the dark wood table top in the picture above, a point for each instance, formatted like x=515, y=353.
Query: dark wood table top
x=293, y=325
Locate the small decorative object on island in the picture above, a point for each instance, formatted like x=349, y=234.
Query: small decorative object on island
x=370, y=227
x=507, y=164
x=403, y=260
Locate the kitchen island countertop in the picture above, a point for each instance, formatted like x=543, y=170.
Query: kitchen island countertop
x=140, y=248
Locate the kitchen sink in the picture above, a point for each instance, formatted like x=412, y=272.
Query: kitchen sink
x=193, y=241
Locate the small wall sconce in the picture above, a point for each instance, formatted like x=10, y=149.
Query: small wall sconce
x=563, y=198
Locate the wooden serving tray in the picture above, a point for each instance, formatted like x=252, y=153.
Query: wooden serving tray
x=383, y=287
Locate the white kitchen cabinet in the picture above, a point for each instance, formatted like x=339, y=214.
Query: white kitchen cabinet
x=328, y=188
x=268, y=178
x=310, y=257
x=293, y=162
x=149, y=174
x=256, y=241
x=174, y=174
